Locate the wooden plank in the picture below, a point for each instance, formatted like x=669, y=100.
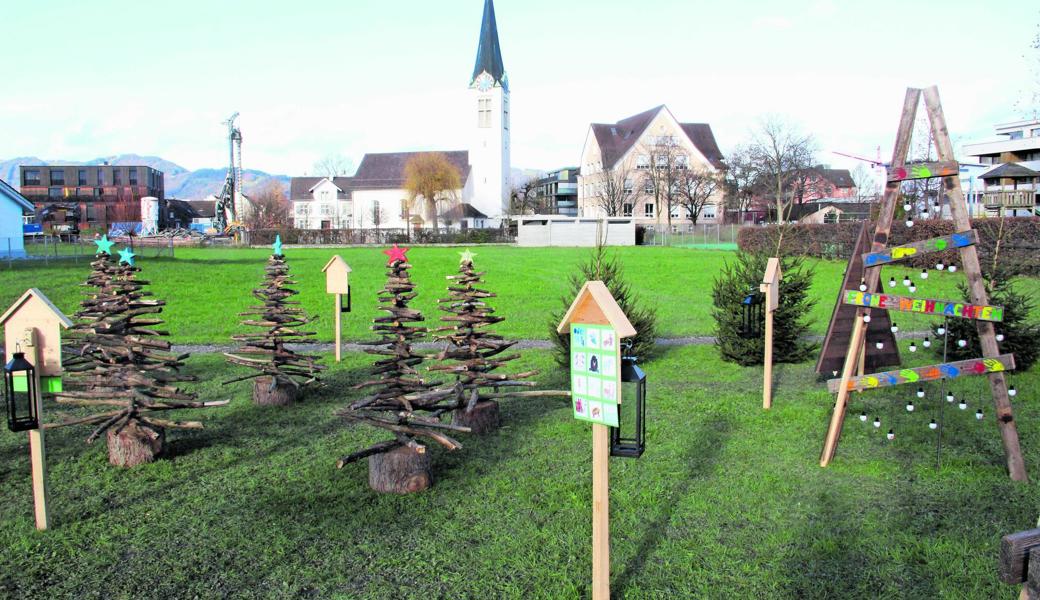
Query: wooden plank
x=977, y=288
x=339, y=327
x=1014, y=555
x=767, y=371
x=925, y=306
x=830, y=443
x=961, y=368
x=600, y=513
x=37, y=448
x=943, y=168
x=948, y=242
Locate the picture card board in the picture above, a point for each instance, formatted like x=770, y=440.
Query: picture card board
x=595, y=373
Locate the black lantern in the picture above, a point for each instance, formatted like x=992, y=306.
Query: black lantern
x=631, y=442
x=20, y=393
x=752, y=316
x=345, y=308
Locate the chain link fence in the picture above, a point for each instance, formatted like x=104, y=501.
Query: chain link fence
x=29, y=252
x=707, y=236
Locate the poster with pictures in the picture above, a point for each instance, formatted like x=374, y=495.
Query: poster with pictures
x=595, y=378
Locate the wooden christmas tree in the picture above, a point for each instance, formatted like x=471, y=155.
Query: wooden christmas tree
x=401, y=401
x=280, y=372
x=474, y=351
x=119, y=361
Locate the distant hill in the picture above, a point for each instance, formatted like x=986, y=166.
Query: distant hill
x=180, y=182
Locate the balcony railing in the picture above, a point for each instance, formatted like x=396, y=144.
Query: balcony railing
x=1019, y=199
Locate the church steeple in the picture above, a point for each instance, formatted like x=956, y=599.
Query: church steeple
x=489, y=53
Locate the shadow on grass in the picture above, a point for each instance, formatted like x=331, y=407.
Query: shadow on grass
x=705, y=446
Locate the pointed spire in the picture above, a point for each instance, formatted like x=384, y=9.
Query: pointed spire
x=489, y=52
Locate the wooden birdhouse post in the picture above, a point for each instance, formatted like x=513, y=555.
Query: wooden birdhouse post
x=337, y=281
x=771, y=289
x=32, y=326
x=596, y=325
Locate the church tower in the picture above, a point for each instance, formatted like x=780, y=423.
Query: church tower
x=489, y=148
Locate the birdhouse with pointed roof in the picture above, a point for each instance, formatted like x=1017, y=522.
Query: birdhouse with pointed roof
x=337, y=276
x=771, y=284
x=594, y=305
x=35, y=311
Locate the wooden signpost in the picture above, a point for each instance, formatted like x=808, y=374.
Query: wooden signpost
x=337, y=281
x=771, y=288
x=596, y=325
x=33, y=325
x=992, y=363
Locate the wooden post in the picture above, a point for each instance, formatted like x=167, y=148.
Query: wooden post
x=838, y=416
x=339, y=328
x=767, y=377
x=37, y=451
x=970, y=261
x=600, y=513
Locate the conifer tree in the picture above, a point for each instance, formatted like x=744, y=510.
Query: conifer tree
x=118, y=359
x=280, y=371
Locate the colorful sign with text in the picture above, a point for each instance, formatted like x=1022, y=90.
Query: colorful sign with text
x=595, y=373
x=940, y=308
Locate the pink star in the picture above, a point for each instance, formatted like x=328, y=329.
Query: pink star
x=396, y=254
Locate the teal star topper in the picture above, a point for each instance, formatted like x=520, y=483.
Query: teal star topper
x=277, y=245
x=104, y=246
x=467, y=257
x=126, y=255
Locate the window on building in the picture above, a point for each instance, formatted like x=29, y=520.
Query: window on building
x=626, y=210
x=648, y=210
x=303, y=209
x=642, y=161
x=31, y=177
x=326, y=210
x=675, y=212
x=133, y=175
x=660, y=160
x=483, y=112
x=1015, y=135
x=54, y=192
x=117, y=177
x=505, y=112
x=100, y=177
x=92, y=211
x=682, y=161
x=81, y=177
x=628, y=186
x=57, y=176
x=648, y=186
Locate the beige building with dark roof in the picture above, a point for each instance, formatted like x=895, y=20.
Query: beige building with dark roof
x=619, y=160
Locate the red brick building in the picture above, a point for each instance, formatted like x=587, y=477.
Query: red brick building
x=69, y=197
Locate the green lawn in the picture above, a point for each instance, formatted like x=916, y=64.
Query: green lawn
x=728, y=501
x=205, y=289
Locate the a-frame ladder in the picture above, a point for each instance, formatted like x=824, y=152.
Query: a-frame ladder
x=897, y=173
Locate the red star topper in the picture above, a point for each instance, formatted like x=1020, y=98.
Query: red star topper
x=396, y=254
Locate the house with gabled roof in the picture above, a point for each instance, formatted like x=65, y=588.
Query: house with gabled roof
x=626, y=154
x=13, y=206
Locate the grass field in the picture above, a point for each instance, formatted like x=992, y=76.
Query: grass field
x=728, y=501
x=205, y=289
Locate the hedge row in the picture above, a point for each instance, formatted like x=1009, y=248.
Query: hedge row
x=1018, y=248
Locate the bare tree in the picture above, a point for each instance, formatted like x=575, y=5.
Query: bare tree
x=695, y=188
x=268, y=207
x=741, y=181
x=779, y=151
x=431, y=179
x=867, y=187
x=612, y=189
x=524, y=199
x=333, y=165
x=665, y=159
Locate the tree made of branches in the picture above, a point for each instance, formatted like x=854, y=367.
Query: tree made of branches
x=399, y=399
x=432, y=180
x=280, y=372
x=474, y=352
x=117, y=360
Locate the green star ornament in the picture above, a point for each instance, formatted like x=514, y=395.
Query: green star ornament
x=126, y=255
x=467, y=257
x=104, y=246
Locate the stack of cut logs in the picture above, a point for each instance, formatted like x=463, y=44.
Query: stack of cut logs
x=116, y=359
x=280, y=372
x=475, y=352
x=402, y=402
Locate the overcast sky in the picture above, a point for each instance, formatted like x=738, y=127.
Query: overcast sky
x=87, y=79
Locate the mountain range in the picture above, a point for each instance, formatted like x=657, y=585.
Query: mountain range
x=180, y=182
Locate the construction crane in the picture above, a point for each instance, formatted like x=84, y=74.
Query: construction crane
x=228, y=209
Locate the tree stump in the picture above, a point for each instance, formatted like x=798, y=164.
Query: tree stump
x=399, y=471
x=282, y=394
x=484, y=417
x=135, y=444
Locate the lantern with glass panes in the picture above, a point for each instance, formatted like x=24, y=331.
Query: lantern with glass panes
x=752, y=315
x=20, y=393
x=628, y=439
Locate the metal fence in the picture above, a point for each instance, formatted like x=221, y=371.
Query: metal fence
x=701, y=235
x=344, y=237
x=37, y=251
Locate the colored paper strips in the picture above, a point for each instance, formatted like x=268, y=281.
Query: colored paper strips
x=962, y=368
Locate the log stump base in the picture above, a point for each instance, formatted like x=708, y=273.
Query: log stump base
x=400, y=471
x=283, y=394
x=135, y=444
x=484, y=417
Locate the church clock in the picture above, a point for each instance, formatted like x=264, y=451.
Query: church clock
x=484, y=82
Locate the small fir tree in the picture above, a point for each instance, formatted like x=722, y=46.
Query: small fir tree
x=117, y=359
x=280, y=371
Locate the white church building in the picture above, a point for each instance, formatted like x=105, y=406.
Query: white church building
x=375, y=196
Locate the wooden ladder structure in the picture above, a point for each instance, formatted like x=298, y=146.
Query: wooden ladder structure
x=993, y=364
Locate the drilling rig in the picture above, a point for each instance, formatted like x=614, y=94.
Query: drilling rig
x=229, y=208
